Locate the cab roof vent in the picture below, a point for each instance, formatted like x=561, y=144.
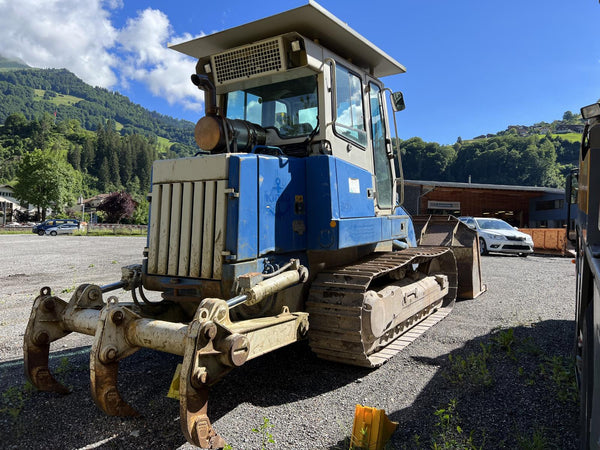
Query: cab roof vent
x=249, y=61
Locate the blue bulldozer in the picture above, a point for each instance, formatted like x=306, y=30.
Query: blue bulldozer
x=287, y=225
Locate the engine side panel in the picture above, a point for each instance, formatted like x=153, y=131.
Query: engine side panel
x=227, y=208
x=242, y=222
x=281, y=212
x=342, y=210
x=188, y=220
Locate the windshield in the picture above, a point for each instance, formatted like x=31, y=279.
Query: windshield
x=488, y=224
x=290, y=107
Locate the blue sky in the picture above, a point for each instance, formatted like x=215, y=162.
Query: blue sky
x=473, y=67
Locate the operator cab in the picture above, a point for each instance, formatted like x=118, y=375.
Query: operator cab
x=279, y=86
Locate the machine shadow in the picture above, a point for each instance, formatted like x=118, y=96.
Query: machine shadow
x=528, y=380
x=56, y=421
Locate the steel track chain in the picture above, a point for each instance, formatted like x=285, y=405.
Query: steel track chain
x=335, y=306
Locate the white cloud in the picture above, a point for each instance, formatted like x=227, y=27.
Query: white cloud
x=61, y=33
x=80, y=37
x=146, y=58
x=114, y=4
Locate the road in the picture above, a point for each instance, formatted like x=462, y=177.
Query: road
x=519, y=333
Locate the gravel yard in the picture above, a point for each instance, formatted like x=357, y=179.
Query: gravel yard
x=499, y=367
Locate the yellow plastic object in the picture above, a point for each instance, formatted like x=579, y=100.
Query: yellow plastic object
x=371, y=429
x=174, y=388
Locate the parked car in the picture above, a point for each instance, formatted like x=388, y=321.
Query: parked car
x=63, y=228
x=41, y=228
x=495, y=235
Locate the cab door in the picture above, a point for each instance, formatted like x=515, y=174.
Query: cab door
x=381, y=147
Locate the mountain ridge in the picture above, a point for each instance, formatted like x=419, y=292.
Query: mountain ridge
x=65, y=83
x=12, y=63
x=34, y=92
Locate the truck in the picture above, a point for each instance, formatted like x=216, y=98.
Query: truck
x=287, y=225
x=583, y=190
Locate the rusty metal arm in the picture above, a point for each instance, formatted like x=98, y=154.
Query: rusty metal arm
x=118, y=333
x=215, y=345
x=211, y=345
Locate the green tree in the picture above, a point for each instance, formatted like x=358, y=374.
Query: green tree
x=15, y=124
x=103, y=175
x=44, y=182
x=74, y=156
x=140, y=215
x=425, y=160
x=87, y=155
x=42, y=130
x=114, y=169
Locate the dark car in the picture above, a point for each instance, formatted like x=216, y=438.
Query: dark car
x=41, y=228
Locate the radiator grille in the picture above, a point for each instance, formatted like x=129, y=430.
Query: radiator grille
x=187, y=229
x=245, y=62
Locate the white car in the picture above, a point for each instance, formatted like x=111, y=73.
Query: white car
x=65, y=228
x=495, y=235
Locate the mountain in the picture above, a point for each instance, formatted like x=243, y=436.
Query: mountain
x=33, y=92
x=570, y=127
x=99, y=140
x=520, y=156
x=8, y=64
x=124, y=138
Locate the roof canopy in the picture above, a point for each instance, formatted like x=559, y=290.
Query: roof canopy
x=312, y=21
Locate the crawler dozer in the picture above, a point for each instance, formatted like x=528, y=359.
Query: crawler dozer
x=287, y=225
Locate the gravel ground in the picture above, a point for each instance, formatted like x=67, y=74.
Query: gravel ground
x=501, y=361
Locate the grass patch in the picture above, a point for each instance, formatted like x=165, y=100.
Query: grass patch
x=450, y=434
x=561, y=374
x=57, y=99
x=263, y=430
x=68, y=290
x=17, y=231
x=13, y=399
x=537, y=440
x=163, y=144
x=504, y=340
x=63, y=369
x=265, y=434
x=470, y=370
x=571, y=137
x=508, y=360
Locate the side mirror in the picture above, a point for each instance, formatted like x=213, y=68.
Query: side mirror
x=591, y=111
x=398, y=101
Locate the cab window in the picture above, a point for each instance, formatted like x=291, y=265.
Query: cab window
x=350, y=118
x=290, y=107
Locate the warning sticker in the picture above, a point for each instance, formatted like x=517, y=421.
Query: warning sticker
x=354, y=185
